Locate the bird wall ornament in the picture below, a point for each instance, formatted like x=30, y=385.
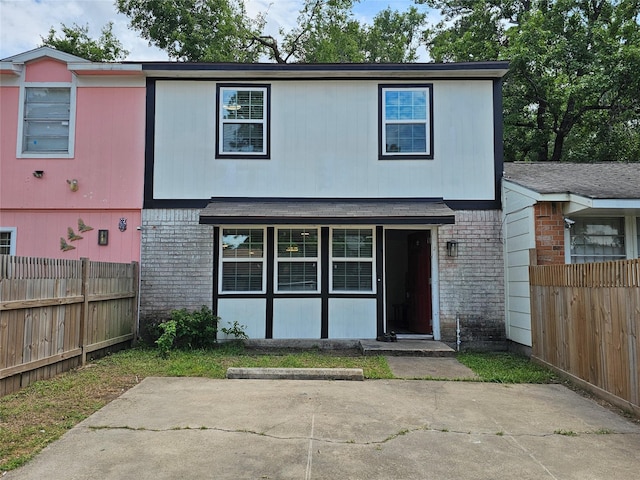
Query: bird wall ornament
x=71, y=235
x=82, y=227
x=64, y=246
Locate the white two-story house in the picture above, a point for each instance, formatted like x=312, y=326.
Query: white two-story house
x=326, y=201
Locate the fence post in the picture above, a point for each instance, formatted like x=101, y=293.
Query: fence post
x=84, y=313
x=136, y=302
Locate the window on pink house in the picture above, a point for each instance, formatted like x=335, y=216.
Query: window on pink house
x=46, y=120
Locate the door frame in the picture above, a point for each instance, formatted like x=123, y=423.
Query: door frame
x=435, y=280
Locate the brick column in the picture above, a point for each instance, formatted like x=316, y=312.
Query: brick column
x=549, y=230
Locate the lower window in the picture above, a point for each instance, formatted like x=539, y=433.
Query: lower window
x=597, y=240
x=297, y=260
x=352, y=260
x=7, y=241
x=242, y=260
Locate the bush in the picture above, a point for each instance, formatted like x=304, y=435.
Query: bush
x=188, y=330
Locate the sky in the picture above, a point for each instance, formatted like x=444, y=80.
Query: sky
x=24, y=22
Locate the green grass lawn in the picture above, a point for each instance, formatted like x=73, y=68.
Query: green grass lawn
x=41, y=413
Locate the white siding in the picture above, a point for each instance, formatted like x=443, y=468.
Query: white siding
x=352, y=318
x=249, y=312
x=519, y=239
x=324, y=143
x=297, y=318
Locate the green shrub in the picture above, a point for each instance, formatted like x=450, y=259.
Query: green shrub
x=187, y=330
x=236, y=331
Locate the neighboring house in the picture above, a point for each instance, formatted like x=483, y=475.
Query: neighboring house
x=326, y=201
x=71, y=157
x=557, y=213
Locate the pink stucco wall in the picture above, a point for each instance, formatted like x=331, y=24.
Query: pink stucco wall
x=47, y=70
x=39, y=233
x=108, y=165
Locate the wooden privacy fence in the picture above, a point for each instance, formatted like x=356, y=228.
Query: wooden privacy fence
x=54, y=312
x=585, y=322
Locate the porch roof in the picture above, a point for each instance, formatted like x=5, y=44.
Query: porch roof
x=297, y=211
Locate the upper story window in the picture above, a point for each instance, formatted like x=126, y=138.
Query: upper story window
x=406, y=122
x=243, y=260
x=7, y=241
x=597, y=239
x=47, y=121
x=297, y=259
x=243, y=121
x=352, y=260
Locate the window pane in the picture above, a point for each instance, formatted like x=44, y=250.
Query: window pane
x=243, y=137
x=296, y=276
x=242, y=243
x=406, y=137
x=241, y=276
x=352, y=276
x=352, y=243
x=297, y=243
x=243, y=104
x=5, y=243
x=46, y=119
x=597, y=240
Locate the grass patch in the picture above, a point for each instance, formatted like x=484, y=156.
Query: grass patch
x=41, y=413
x=502, y=367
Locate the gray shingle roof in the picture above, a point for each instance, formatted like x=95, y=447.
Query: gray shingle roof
x=592, y=180
x=329, y=211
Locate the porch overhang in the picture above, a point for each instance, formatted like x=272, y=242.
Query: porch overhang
x=297, y=211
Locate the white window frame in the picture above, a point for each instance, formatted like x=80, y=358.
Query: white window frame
x=221, y=89
x=278, y=260
x=13, y=231
x=371, y=260
x=72, y=120
x=428, y=122
x=569, y=233
x=262, y=260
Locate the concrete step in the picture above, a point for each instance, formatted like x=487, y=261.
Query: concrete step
x=296, y=373
x=407, y=348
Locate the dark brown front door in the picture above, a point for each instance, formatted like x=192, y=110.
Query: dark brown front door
x=419, y=282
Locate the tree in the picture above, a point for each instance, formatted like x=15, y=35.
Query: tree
x=76, y=41
x=571, y=93
x=221, y=31
x=196, y=30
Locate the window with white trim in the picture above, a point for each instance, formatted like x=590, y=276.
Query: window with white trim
x=243, y=260
x=352, y=268
x=597, y=239
x=297, y=260
x=7, y=241
x=243, y=127
x=47, y=118
x=406, y=121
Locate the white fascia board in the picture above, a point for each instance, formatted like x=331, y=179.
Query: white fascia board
x=42, y=52
x=537, y=196
x=104, y=68
x=578, y=203
x=10, y=68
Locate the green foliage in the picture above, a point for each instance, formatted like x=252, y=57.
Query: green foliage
x=196, y=30
x=187, y=330
x=571, y=93
x=326, y=32
x=236, y=331
x=76, y=41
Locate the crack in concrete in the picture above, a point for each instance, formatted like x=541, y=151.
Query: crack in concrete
x=393, y=436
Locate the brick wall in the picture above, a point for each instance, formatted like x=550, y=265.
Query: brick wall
x=176, y=264
x=549, y=227
x=472, y=284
